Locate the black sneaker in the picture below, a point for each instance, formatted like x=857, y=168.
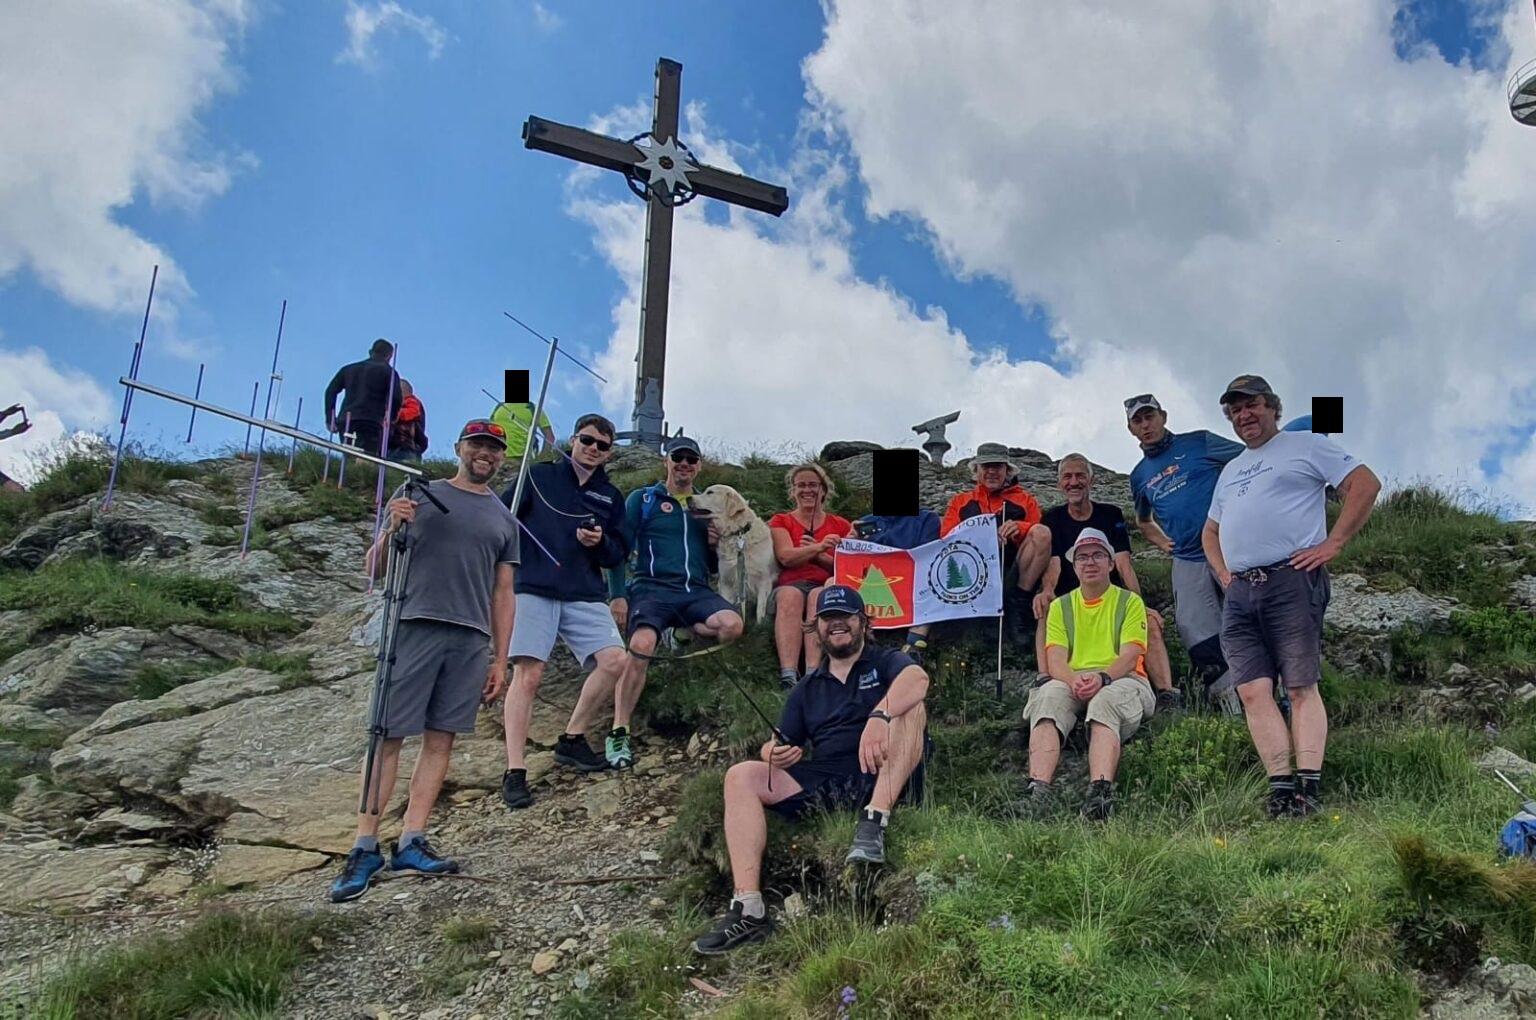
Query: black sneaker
x=1281, y=804
x=731, y=930
x=868, y=841
x=1169, y=701
x=514, y=789
x=578, y=754
x=1101, y=801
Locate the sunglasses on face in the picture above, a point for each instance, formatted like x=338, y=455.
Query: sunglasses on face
x=603, y=445
x=484, y=428
x=684, y=458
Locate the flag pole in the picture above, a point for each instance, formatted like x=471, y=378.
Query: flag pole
x=999, y=656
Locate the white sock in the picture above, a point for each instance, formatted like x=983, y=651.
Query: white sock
x=884, y=817
x=751, y=904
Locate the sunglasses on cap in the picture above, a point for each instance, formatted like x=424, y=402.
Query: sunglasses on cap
x=685, y=458
x=488, y=428
x=603, y=445
x=1130, y=402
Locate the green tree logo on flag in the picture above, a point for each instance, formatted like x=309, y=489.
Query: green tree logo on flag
x=958, y=573
x=879, y=598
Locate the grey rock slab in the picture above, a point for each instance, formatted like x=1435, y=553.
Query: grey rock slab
x=1356, y=606
x=75, y=678
x=189, y=699
x=1525, y=591
x=39, y=801
x=36, y=543
x=239, y=864
x=44, y=874
x=1507, y=762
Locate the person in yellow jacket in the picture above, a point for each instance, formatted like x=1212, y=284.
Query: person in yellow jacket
x=517, y=419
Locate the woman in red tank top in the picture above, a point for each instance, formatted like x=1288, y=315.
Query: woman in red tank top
x=803, y=541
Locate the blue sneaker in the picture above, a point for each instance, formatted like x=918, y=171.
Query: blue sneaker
x=418, y=855
x=356, y=875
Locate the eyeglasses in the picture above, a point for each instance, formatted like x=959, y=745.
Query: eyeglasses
x=1091, y=557
x=488, y=428
x=603, y=445
x=684, y=458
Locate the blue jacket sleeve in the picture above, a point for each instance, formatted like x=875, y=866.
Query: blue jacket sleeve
x=618, y=576
x=617, y=537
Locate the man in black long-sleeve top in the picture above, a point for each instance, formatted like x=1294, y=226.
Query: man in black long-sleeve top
x=373, y=396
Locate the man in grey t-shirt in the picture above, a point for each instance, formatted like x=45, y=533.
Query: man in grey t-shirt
x=450, y=650
x=1266, y=538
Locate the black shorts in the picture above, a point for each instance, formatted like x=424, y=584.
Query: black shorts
x=660, y=610
x=836, y=784
x=1275, y=629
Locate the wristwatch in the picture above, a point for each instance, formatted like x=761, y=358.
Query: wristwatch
x=880, y=714
x=1106, y=678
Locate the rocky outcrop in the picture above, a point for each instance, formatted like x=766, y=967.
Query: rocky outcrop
x=51, y=873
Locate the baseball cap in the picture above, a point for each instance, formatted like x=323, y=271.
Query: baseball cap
x=838, y=598
x=1246, y=386
x=992, y=453
x=483, y=428
x=1089, y=536
x=1136, y=403
x=676, y=443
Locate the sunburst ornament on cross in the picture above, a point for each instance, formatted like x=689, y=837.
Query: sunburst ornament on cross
x=666, y=166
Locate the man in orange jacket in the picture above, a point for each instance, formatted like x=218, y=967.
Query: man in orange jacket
x=1026, y=543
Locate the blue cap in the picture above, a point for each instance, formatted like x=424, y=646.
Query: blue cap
x=838, y=598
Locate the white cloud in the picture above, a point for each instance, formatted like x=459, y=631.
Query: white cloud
x=546, y=19
x=59, y=402
x=98, y=105
x=364, y=22
x=1217, y=188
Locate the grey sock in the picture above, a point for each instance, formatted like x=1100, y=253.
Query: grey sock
x=751, y=904
x=409, y=835
x=368, y=843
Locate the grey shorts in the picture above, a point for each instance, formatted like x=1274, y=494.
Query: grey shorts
x=1197, y=601
x=438, y=678
x=585, y=627
x=803, y=587
x=1275, y=629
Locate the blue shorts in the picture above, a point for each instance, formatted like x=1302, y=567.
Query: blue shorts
x=836, y=784
x=660, y=610
x=1274, y=629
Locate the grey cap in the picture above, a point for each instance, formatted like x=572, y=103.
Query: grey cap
x=992, y=453
x=1136, y=403
x=676, y=443
x=1246, y=386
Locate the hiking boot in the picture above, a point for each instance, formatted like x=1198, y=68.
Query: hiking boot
x=1101, y=801
x=578, y=754
x=731, y=930
x=1281, y=804
x=514, y=789
x=1169, y=701
x=1305, y=804
x=616, y=749
x=1039, y=802
x=418, y=855
x=868, y=841
x=356, y=874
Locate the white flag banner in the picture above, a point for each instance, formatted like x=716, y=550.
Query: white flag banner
x=960, y=576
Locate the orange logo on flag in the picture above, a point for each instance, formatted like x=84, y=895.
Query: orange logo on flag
x=884, y=582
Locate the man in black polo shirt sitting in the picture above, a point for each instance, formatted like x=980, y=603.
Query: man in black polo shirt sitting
x=861, y=713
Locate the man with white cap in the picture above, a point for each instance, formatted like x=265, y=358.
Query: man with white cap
x=1268, y=541
x=1095, y=647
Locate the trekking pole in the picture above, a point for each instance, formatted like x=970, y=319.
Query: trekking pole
x=1529, y=806
x=397, y=573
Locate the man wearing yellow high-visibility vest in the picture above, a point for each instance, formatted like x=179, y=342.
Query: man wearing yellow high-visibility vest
x=517, y=419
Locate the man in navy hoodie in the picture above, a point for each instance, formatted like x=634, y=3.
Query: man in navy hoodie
x=674, y=556
x=576, y=518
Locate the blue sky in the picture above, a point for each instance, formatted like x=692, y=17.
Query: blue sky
x=391, y=196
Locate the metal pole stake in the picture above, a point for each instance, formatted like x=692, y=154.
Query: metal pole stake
x=133, y=373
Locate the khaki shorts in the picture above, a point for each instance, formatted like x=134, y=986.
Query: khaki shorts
x=1122, y=706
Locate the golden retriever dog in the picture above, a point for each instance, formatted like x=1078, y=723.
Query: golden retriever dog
x=735, y=520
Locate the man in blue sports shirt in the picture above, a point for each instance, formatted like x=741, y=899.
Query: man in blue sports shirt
x=1172, y=487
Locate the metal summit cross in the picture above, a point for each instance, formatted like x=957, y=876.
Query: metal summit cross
x=661, y=170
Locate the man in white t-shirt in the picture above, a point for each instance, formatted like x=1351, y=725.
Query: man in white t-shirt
x=1266, y=538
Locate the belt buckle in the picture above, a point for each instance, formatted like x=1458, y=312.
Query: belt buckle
x=1256, y=576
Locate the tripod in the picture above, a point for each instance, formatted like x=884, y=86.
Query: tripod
x=396, y=572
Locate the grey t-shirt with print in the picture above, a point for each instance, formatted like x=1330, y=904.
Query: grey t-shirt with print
x=454, y=558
